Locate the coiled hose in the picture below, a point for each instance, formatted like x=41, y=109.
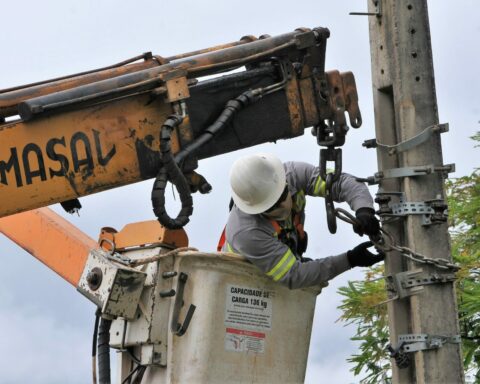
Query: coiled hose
x=170, y=172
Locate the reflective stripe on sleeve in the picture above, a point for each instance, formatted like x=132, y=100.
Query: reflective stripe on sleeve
x=283, y=266
x=319, y=188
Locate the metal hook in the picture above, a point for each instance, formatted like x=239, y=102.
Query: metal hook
x=176, y=327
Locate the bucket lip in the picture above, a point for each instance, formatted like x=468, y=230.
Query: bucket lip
x=228, y=256
x=234, y=257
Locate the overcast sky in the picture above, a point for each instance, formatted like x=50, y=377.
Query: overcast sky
x=46, y=325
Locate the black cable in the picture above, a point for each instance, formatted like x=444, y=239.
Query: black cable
x=132, y=372
x=171, y=172
x=94, y=346
x=104, y=351
x=231, y=109
x=139, y=376
x=133, y=357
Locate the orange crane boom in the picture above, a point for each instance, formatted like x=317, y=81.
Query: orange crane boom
x=50, y=238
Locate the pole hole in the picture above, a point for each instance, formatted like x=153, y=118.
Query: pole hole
x=381, y=47
x=417, y=78
x=382, y=71
x=414, y=55
x=409, y=7
x=413, y=31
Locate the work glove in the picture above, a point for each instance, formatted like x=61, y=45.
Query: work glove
x=367, y=222
x=360, y=256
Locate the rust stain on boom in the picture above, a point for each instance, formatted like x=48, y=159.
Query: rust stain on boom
x=77, y=153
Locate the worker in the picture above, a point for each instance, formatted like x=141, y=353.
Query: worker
x=268, y=212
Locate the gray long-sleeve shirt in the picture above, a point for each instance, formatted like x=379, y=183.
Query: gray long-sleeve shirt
x=255, y=237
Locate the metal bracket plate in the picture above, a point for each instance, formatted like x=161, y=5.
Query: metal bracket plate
x=422, y=341
x=411, y=208
x=433, y=211
x=405, y=284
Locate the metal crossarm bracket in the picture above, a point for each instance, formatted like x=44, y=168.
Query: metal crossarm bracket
x=420, y=170
x=422, y=341
x=410, y=143
x=405, y=284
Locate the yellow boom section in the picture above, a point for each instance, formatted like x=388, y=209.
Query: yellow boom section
x=72, y=154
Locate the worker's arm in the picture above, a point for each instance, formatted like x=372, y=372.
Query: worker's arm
x=277, y=260
x=346, y=189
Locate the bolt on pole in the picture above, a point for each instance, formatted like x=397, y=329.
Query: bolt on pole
x=405, y=105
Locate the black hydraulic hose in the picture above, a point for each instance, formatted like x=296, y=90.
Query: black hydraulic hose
x=171, y=172
x=231, y=108
x=94, y=347
x=104, y=351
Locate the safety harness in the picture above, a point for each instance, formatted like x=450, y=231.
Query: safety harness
x=284, y=234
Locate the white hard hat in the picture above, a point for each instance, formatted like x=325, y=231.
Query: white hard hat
x=257, y=182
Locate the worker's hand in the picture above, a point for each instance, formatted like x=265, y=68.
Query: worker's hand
x=367, y=222
x=360, y=256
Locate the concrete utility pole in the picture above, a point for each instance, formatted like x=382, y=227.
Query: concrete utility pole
x=406, y=107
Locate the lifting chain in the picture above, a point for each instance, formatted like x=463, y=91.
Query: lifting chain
x=330, y=136
x=386, y=243
x=330, y=154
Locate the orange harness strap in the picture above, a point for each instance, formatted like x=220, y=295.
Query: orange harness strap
x=278, y=230
x=222, y=240
x=297, y=224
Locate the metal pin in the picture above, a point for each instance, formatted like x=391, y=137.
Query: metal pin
x=365, y=14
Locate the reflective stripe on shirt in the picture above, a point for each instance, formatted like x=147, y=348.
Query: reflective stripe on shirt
x=319, y=188
x=283, y=266
x=300, y=201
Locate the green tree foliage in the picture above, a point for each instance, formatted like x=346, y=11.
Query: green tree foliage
x=362, y=306
x=362, y=303
x=464, y=210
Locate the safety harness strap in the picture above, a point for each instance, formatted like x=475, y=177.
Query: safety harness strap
x=221, y=241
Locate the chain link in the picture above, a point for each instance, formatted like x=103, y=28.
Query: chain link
x=421, y=259
x=387, y=243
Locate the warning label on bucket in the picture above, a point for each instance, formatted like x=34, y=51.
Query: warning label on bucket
x=248, y=308
x=238, y=340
